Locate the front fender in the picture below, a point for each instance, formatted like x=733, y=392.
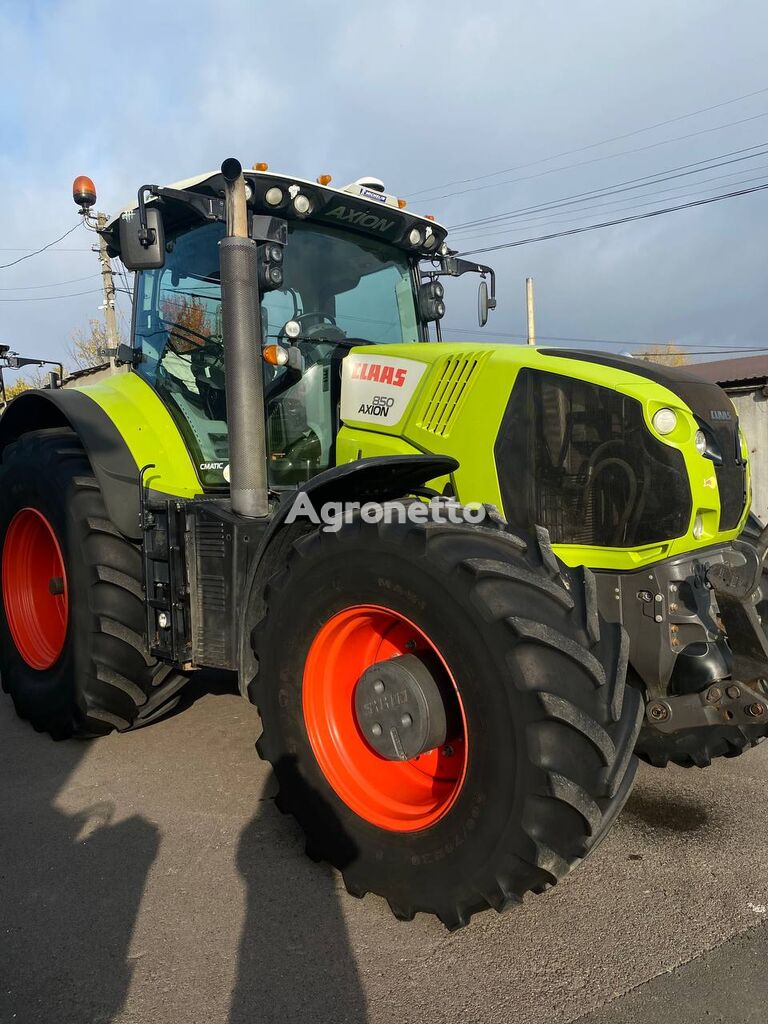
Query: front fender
x=382, y=478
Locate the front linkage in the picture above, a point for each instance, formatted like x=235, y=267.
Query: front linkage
x=699, y=650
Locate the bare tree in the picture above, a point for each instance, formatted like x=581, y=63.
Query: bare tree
x=34, y=379
x=669, y=354
x=86, y=348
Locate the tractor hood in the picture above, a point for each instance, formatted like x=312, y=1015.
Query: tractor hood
x=623, y=461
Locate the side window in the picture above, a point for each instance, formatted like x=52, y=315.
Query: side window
x=179, y=329
x=178, y=326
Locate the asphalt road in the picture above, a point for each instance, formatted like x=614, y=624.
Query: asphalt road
x=148, y=878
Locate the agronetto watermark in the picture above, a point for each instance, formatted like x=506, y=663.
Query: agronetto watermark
x=332, y=515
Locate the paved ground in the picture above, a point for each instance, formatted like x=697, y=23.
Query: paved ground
x=148, y=878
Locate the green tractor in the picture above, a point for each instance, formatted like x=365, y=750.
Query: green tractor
x=464, y=584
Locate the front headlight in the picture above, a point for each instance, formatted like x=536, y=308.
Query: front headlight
x=664, y=421
x=700, y=440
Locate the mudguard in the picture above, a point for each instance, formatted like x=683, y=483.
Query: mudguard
x=374, y=479
x=111, y=459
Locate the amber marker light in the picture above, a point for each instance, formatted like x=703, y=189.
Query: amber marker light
x=84, y=192
x=429, y=216
x=260, y=167
x=324, y=179
x=402, y=203
x=275, y=355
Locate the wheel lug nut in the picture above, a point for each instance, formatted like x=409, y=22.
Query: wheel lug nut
x=406, y=721
x=376, y=729
x=378, y=686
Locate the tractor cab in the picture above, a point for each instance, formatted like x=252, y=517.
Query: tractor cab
x=338, y=269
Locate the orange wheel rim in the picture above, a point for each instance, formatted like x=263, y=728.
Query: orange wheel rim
x=402, y=796
x=35, y=589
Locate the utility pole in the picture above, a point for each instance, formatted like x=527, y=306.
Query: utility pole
x=110, y=316
x=529, y=304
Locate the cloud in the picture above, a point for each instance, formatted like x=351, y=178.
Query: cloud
x=418, y=95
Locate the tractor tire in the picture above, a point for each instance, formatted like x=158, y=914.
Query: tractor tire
x=73, y=654
x=540, y=759
x=696, y=748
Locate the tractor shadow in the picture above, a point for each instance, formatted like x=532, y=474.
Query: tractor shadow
x=295, y=962
x=70, y=887
x=668, y=812
x=73, y=877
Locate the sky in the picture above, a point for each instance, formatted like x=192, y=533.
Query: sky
x=422, y=96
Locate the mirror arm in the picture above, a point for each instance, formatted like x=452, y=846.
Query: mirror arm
x=454, y=266
x=492, y=296
x=146, y=235
x=207, y=207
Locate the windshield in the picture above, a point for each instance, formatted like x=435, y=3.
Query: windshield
x=342, y=290
x=360, y=286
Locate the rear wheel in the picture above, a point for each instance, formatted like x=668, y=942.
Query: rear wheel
x=73, y=654
x=445, y=711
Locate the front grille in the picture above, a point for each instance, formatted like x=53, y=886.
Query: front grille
x=731, y=474
x=579, y=460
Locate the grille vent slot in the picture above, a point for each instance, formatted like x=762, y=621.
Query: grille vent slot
x=210, y=539
x=447, y=395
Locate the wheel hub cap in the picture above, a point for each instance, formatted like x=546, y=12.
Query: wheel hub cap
x=400, y=708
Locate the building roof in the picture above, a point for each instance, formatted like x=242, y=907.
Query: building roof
x=746, y=370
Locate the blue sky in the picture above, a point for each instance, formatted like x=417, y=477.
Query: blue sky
x=419, y=95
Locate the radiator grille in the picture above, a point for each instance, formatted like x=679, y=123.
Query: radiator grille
x=578, y=459
x=448, y=394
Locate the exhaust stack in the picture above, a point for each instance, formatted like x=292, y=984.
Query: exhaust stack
x=241, y=324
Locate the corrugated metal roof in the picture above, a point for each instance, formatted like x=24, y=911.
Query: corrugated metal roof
x=745, y=370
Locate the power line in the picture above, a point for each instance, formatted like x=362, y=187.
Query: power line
x=52, y=298
x=51, y=284
x=695, y=167
x=598, y=159
x=36, y=252
x=717, y=345
x=587, y=211
x=592, y=145
x=613, y=223
x=51, y=252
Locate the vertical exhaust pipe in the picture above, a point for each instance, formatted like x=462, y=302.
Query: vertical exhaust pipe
x=244, y=382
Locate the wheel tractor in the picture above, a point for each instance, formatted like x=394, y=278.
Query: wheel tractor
x=463, y=583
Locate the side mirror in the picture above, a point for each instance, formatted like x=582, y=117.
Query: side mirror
x=485, y=302
x=482, y=304
x=142, y=248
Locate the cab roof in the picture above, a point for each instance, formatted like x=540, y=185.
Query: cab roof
x=361, y=207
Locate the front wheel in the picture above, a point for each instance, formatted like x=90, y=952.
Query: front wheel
x=445, y=711
x=73, y=653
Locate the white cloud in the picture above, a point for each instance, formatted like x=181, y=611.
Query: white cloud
x=416, y=94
